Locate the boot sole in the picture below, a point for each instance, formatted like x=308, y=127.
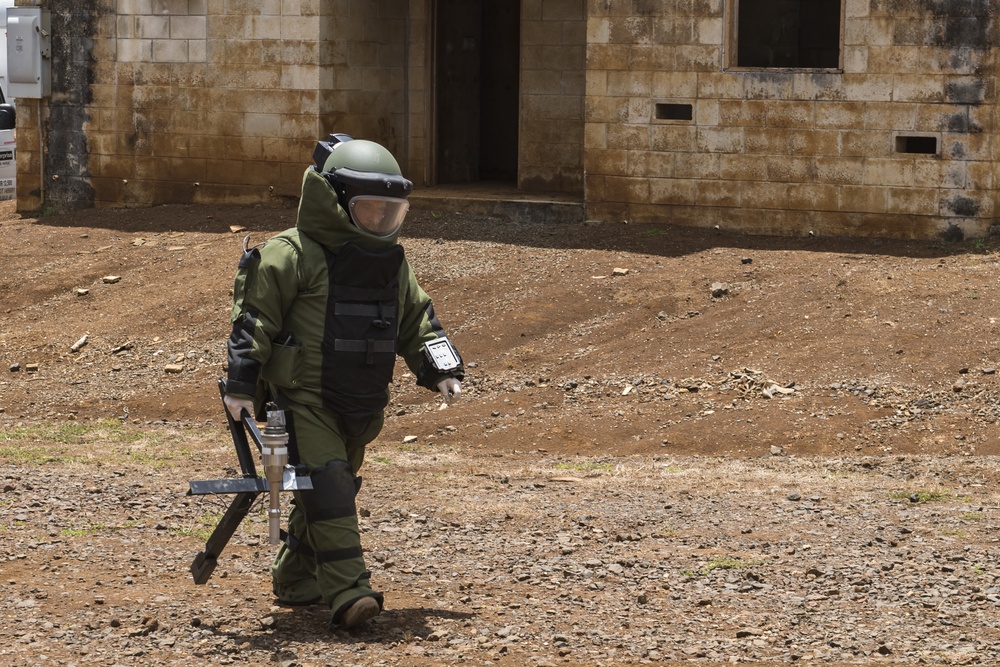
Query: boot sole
x=359, y=612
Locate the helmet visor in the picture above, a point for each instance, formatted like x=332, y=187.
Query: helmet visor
x=381, y=216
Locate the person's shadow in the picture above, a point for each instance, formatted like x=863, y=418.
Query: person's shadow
x=312, y=624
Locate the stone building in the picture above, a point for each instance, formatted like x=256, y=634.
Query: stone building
x=861, y=117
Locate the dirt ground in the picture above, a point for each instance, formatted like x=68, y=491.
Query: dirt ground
x=588, y=346
x=602, y=339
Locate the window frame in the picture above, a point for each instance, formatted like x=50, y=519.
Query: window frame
x=731, y=45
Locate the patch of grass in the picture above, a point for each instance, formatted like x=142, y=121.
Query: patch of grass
x=93, y=529
x=202, y=530
x=925, y=496
x=972, y=516
x=586, y=466
x=655, y=231
x=381, y=459
x=951, y=531
x=721, y=563
x=979, y=569
x=106, y=440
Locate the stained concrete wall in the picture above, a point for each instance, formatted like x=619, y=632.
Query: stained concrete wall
x=553, y=61
x=177, y=101
x=785, y=151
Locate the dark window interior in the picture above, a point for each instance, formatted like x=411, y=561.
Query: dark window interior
x=788, y=33
x=665, y=111
x=925, y=145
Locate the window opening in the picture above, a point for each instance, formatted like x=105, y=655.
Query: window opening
x=665, y=111
x=911, y=144
x=802, y=34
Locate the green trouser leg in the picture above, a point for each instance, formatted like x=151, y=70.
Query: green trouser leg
x=293, y=574
x=328, y=561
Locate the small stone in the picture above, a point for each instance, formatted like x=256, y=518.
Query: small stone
x=110, y=280
x=13, y=368
x=409, y=438
x=746, y=260
x=82, y=291
x=719, y=290
x=174, y=368
x=794, y=497
x=619, y=272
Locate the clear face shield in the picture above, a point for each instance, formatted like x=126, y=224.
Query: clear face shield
x=381, y=216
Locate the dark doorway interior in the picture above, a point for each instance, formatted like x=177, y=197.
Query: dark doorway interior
x=477, y=55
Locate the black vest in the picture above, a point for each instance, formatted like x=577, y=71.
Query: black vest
x=359, y=339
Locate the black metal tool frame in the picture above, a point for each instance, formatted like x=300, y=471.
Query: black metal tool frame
x=247, y=490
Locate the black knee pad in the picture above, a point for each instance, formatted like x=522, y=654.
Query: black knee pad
x=332, y=495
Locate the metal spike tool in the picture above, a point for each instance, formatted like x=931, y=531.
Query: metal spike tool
x=278, y=476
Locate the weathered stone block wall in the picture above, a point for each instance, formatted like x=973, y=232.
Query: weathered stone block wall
x=206, y=100
x=553, y=56
x=786, y=151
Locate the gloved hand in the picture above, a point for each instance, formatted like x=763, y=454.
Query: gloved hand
x=235, y=405
x=449, y=388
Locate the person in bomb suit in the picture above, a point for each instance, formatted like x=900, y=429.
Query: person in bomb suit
x=320, y=312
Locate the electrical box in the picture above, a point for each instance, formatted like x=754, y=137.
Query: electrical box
x=29, y=52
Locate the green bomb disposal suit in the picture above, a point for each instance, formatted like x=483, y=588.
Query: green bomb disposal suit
x=319, y=315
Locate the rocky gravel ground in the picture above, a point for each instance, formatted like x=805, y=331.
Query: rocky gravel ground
x=673, y=447
x=516, y=559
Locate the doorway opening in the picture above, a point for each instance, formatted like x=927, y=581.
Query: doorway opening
x=476, y=90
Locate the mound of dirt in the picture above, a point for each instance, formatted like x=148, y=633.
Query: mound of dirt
x=582, y=339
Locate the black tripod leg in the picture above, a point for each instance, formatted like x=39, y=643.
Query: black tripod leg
x=205, y=562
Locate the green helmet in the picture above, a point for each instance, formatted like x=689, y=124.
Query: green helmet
x=368, y=182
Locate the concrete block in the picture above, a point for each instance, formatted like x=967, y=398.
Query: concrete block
x=720, y=139
x=653, y=58
x=868, y=88
x=674, y=138
x=671, y=191
x=840, y=170
x=718, y=85
x=598, y=30
x=840, y=115
x=188, y=27
x=813, y=197
x=888, y=171
x=170, y=51
x=912, y=201
x=699, y=58
x=742, y=113
x=741, y=168
x=152, y=27
x=918, y=88
x=766, y=85
x=898, y=116
x=262, y=27
x=790, y=114
x=861, y=199
x=866, y=144
x=856, y=59
x=718, y=193
x=134, y=50
x=709, y=31
x=764, y=195
x=667, y=85
x=610, y=161
x=790, y=169
x=630, y=83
